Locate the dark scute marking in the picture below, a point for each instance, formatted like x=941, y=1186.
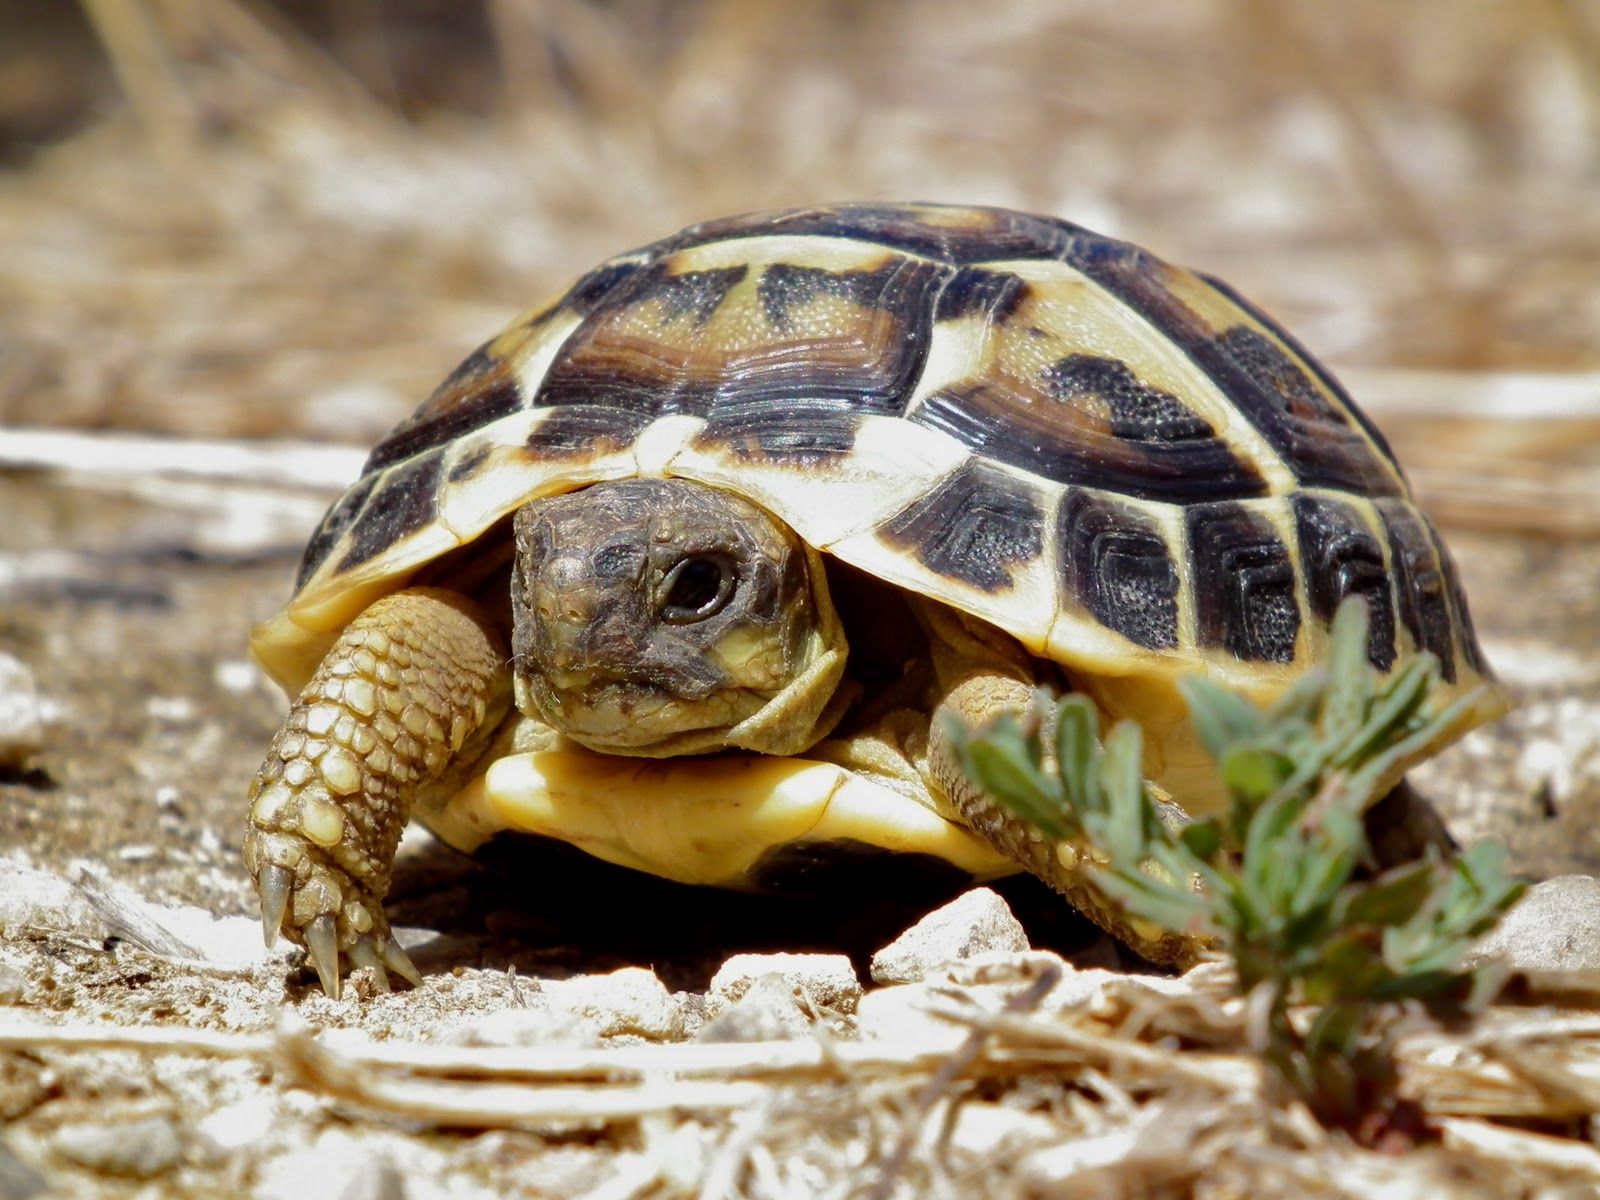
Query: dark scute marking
x=334, y=523
x=797, y=431
x=1420, y=583
x=400, y=506
x=479, y=362
x=975, y=526
x=899, y=287
x=1139, y=412
x=1000, y=425
x=1243, y=583
x=848, y=866
x=469, y=465
x=580, y=429
x=697, y=292
x=1342, y=558
x=972, y=290
x=804, y=409
x=1466, y=633
x=1115, y=563
x=476, y=407
x=1270, y=389
x=1326, y=376
x=986, y=234
x=584, y=296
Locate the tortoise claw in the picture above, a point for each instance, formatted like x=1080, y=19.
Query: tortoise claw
x=274, y=886
x=322, y=947
x=397, y=961
x=364, y=953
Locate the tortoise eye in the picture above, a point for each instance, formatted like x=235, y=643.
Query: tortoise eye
x=696, y=588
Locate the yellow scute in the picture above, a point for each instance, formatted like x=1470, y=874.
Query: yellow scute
x=707, y=820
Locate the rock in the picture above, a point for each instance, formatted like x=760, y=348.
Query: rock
x=21, y=714
x=1554, y=927
x=136, y=1149
x=43, y=900
x=900, y=1014
x=335, y=1165
x=13, y=984
x=827, y=979
x=974, y=923
x=772, y=1007
x=629, y=1001
x=18, y=1181
x=536, y=1025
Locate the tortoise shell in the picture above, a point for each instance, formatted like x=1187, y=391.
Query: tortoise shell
x=1123, y=464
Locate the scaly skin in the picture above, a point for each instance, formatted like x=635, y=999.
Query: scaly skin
x=410, y=688
x=983, y=673
x=975, y=701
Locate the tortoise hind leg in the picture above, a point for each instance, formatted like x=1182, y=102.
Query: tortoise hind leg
x=408, y=692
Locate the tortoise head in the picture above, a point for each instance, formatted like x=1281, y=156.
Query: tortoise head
x=659, y=617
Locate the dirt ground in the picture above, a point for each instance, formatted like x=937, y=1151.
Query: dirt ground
x=224, y=222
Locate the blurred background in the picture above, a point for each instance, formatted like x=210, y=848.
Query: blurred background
x=289, y=218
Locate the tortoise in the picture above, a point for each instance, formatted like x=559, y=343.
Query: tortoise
x=687, y=566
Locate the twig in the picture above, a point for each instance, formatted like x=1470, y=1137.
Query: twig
x=953, y=1068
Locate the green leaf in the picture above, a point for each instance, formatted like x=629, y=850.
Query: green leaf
x=1393, y=898
x=1203, y=839
x=1219, y=716
x=1254, y=773
x=1350, y=676
x=1122, y=780
x=1395, y=705
x=1077, y=726
x=999, y=763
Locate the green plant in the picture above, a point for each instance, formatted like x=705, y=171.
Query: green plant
x=1284, y=890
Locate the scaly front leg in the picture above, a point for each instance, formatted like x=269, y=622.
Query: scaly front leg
x=410, y=690
x=983, y=674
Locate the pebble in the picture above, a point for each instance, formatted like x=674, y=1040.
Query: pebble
x=135, y=1149
x=1554, y=927
x=18, y=1181
x=13, y=985
x=770, y=1008
x=21, y=715
x=630, y=1001
x=976, y=922
x=827, y=979
x=335, y=1165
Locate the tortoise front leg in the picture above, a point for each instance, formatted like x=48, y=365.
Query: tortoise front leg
x=982, y=674
x=410, y=690
x=975, y=700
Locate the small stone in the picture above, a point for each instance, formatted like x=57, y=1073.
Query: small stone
x=136, y=1149
x=13, y=983
x=770, y=1008
x=21, y=715
x=900, y=1014
x=18, y=1181
x=976, y=922
x=337, y=1164
x=629, y=1001
x=1554, y=927
x=827, y=979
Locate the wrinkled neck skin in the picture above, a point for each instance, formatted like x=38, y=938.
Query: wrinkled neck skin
x=661, y=617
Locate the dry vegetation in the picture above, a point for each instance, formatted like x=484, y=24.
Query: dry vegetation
x=235, y=219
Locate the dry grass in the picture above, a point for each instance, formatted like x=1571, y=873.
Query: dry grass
x=1125, y=1090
